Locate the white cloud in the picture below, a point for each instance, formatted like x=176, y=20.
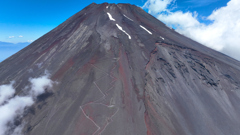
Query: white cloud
x=20, y=36
x=18, y=129
x=157, y=6
x=11, y=36
x=6, y=91
x=223, y=34
x=14, y=106
x=39, y=85
x=30, y=41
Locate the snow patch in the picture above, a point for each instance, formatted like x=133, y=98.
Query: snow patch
x=110, y=17
x=106, y=6
x=120, y=28
x=146, y=29
x=162, y=38
x=127, y=17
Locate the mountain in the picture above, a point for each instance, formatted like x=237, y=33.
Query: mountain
x=7, y=49
x=117, y=70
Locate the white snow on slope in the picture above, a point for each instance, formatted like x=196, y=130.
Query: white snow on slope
x=106, y=6
x=127, y=17
x=120, y=28
x=110, y=17
x=162, y=38
x=146, y=29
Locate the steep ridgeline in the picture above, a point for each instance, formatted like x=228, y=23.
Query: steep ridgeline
x=120, y=71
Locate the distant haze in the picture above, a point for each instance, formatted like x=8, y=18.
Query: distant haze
x=8, y=49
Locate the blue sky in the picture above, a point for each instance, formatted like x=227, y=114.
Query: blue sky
x=30, y=19
x=27, y=20
x=33, y=18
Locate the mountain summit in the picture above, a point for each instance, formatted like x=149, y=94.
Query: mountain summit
x=117, y=70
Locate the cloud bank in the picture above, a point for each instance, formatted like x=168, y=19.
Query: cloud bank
x=157, y=6
x=38, y=85
x=6, y=91
x=12, y=106
x=223, y=34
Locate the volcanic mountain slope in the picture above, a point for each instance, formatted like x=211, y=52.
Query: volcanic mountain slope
x=120, y=71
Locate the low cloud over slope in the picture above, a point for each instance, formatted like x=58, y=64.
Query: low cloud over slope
x=12, y=106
